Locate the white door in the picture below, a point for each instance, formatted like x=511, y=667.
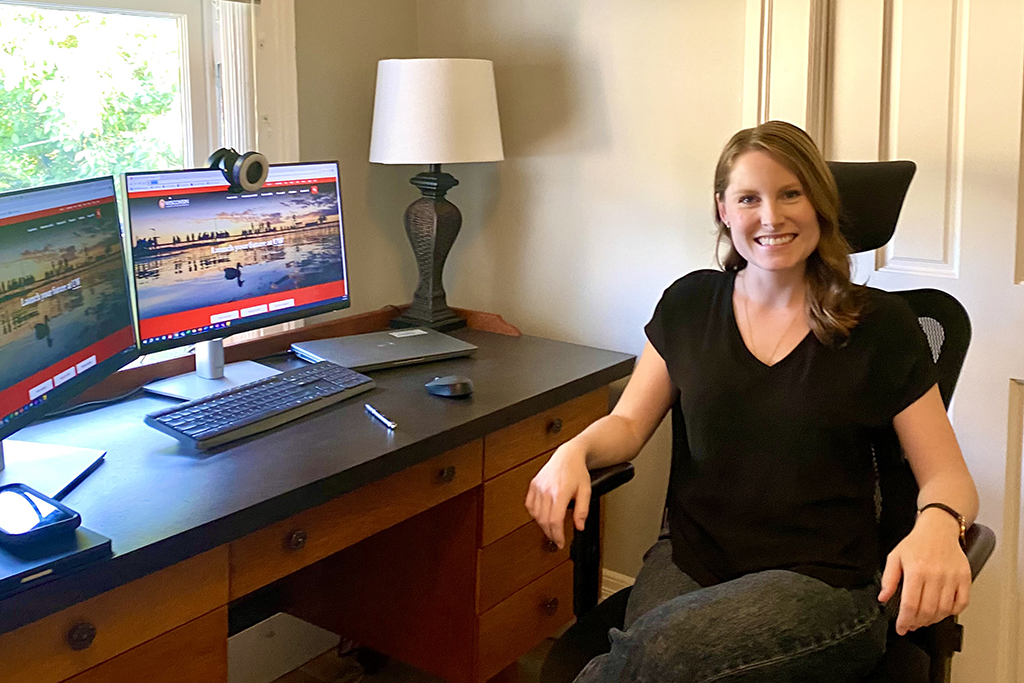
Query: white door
x=939, y=82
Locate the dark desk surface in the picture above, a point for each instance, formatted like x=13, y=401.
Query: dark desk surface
x=162, y=502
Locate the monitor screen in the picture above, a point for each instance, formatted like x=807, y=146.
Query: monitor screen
x=65, y=313
x=209, y=262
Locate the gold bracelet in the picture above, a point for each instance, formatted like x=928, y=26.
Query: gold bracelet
x=956, y=515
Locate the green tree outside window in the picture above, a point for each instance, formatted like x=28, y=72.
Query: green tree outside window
x=84, y=94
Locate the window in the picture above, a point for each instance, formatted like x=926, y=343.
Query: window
x=106, y=86
x=102, y=89
x=233, y=59
x=87, y=93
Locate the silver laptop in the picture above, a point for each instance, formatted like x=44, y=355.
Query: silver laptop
x=386, y=349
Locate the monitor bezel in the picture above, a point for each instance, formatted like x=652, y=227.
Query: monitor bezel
x=288, y=315
x=102, y=370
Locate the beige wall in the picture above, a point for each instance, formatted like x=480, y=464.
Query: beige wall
x=613, y=113
x=338, y=44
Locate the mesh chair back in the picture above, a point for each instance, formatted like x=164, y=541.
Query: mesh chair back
x=948, y=329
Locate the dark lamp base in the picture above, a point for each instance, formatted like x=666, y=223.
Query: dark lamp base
x=432, y=223
x=442, y=323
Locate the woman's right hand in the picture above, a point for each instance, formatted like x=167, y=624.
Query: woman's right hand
x=565, y=477
x=614, y=438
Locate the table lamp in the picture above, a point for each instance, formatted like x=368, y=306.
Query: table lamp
x=433, y=112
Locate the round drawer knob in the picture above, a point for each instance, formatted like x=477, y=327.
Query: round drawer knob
x=551, y=546
x=81, y=635
x=549, y=606
x=297, y=540
x=447, y=475
x=555, y=426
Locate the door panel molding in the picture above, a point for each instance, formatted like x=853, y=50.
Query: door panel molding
x=1010, y=606
x=922, y=118
x=786, y=65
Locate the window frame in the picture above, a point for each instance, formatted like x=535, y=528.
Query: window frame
x=276, y=80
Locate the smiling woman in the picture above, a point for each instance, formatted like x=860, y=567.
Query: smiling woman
x=778, y=372
x=773, y=188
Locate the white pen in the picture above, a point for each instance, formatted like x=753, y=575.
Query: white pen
x=380, y=416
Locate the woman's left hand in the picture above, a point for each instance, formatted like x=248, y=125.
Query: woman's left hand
x=936, y=574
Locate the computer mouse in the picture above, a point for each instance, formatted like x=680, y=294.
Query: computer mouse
x=450, y=385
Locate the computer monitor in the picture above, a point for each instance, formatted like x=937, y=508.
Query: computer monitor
x=209, y=262
x=65, y=318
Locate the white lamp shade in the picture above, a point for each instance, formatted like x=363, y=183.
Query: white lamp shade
x=435, y=111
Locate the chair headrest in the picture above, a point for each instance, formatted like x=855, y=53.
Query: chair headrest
x=871, y=195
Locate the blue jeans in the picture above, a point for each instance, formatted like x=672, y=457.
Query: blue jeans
x=772, y=626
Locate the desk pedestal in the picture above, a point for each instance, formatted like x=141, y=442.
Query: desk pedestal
x=408, y=591
x=436, y=563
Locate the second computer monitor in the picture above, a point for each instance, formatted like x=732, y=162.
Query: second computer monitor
x=209, y=262
x=65, y=319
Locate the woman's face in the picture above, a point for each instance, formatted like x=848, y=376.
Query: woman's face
x=772, y=222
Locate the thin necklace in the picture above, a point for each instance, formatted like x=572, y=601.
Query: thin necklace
x=750, y=328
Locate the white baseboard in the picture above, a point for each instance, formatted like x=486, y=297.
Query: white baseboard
x=613, y=582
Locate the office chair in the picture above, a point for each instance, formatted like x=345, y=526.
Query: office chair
x=872, y=195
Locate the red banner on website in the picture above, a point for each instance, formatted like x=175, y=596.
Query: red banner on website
x=38, y=385
x=236, y=312
x=169, y=192
x=67, y=208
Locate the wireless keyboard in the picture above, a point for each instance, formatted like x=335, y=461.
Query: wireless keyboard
x=258, y=406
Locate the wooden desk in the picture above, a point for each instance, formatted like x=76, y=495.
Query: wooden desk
x=415, y=542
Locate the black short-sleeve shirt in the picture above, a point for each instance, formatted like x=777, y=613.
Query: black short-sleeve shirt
x=772, y=465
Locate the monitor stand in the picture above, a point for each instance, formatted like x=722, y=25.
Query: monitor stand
x=52, y=470
x=211, y=374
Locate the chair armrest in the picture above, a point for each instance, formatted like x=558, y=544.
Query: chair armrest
x=608, y=479
x=981, y=541
x=941, y=640
x=586, y=544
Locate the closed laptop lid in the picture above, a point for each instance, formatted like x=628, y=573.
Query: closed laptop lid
x=389, y=348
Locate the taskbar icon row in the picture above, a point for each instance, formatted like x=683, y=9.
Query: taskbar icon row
x=34, y=403
x=186, y=333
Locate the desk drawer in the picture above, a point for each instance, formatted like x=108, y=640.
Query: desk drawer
x=506, y=448
x=511, y=562
x=516, y=625
x=197, y=651
x=117, y=621
x=504, y=508
x=278, y=550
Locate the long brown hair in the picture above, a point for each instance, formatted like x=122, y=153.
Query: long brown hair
x=834, y=303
